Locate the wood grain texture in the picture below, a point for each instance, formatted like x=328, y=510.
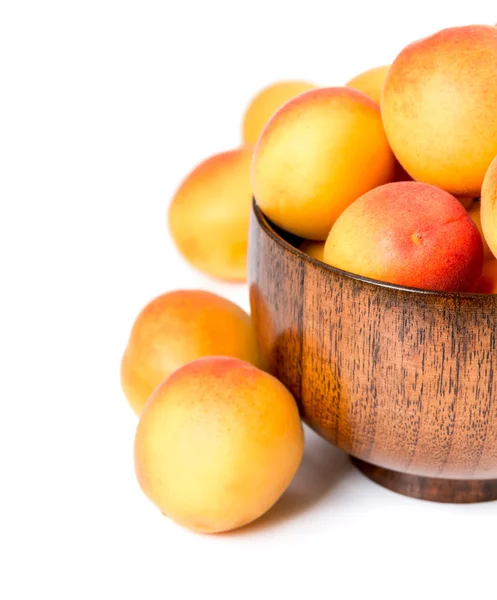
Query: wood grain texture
x=402, y=379
x=455, y=491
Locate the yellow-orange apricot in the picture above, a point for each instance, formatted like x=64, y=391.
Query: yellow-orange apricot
x=489, y=207
x=217, y=444
x=317, y=154
x=370, y=82
x=474, y=211
x=438, y=107
x=176, y=328
x=266, y=103
x=210, y=212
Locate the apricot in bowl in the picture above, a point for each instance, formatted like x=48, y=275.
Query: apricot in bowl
x=316, y=155
x=411, y=234
x=438, y=107
x=400, y=378
x=265, y=103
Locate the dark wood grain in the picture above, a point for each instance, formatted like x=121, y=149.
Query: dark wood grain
x=402, y=379
x=455, y=491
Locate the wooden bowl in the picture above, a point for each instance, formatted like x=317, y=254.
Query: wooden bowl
x=403, y=380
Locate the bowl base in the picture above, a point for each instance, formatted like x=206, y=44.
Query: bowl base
x=456, y=491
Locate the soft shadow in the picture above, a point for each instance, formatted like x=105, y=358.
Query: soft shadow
x=323, y=468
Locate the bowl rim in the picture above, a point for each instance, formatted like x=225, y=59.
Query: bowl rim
x=266, y=226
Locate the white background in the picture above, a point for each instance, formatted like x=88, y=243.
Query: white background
x=104, y=107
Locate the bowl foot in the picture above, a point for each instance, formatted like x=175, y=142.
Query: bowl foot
x=457, y=491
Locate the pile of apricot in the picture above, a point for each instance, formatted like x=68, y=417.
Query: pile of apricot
x=392, y=177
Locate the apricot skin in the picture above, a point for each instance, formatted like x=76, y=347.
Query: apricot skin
x=489, y=207
x=266, y=103
x=217, y=444
x=438, y=107
x=209, y=215
x=409, y=234
x=316, y=155
x=370, y=82
x=176, y=328
x=474, y=211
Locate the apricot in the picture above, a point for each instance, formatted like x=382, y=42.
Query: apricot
x=488, y=280
x=474, y=211
x=438, y=107
x=217, y=444
x=410, y=234
x=313, y=249
x=489, y=207
x=210, y=212
x=266, y=103
x=176, y=328
x=370, y=82
x=317, y=154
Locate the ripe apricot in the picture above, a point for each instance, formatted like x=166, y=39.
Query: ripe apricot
x=410, y=234
x=317, y=154
x=489, y=207
x=474, y=211
x=266, y=103
x=210, y=212
x=217, y=444
x=370, y=82
x=176, y=328
x=438, y=107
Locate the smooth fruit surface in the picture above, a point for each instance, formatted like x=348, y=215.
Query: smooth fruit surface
x=217, y=444
x=489, y=207
x=176, y=328
x=410, y=234
x=438, y=107
x=266, y=103
x=370, y=82
x=209, y=215
x=316, y=155
x=474, y=211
